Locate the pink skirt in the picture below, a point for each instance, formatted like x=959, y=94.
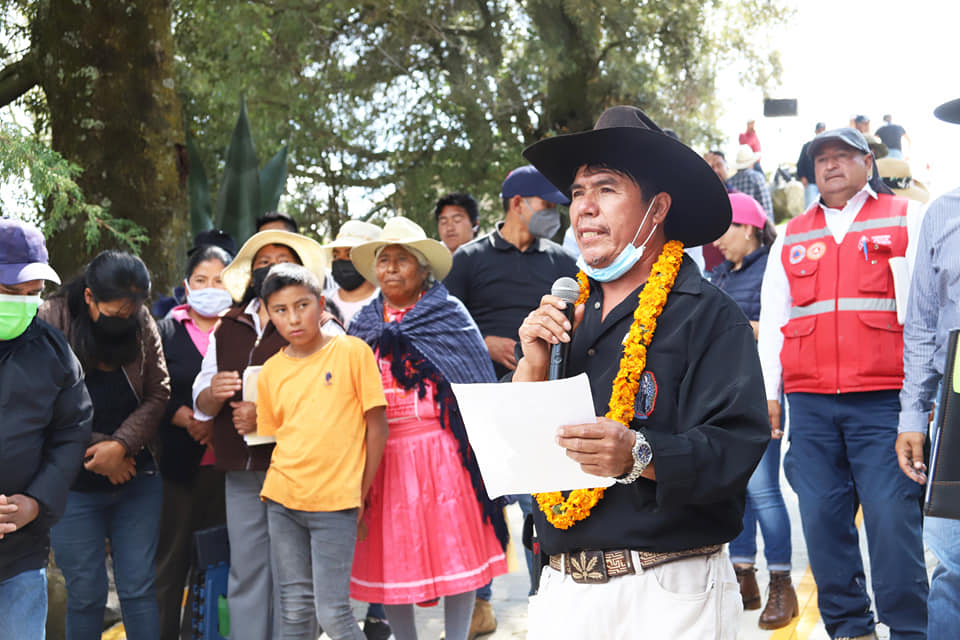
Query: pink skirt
x=427, y=537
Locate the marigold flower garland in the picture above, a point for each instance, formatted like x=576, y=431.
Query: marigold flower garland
x=564, y=513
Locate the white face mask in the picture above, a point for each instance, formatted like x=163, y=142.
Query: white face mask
x=209, y=302
x=625, y=260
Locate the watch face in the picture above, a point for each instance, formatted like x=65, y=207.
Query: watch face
x=642, y=452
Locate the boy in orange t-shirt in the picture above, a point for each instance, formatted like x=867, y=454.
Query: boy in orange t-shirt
x=321, y=396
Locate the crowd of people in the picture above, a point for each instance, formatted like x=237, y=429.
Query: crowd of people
x=299, y=396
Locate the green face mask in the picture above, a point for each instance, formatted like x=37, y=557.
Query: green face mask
x=16, y=314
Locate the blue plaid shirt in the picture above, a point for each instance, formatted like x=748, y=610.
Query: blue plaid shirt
x=932, y=312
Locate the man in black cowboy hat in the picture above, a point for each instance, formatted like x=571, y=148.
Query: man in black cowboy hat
x=646, y=559
x=829, y=331
x=932, y=314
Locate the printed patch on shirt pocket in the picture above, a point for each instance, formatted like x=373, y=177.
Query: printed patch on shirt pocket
x=646, y=400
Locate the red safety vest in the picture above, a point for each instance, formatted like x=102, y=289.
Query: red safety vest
x=843, y=333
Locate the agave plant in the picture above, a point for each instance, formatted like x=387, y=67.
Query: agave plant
x=246, y=191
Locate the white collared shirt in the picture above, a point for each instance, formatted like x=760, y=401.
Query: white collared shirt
x=209, y=366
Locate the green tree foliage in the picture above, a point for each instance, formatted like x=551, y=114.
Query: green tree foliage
x=54, y=190
x=396, y=102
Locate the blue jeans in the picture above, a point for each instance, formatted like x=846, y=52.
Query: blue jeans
x=895, y=153
x=313, y=554
x=842, y=455
x=942, y=535
x=765, y=504
x=23, y=605
x=129, y=515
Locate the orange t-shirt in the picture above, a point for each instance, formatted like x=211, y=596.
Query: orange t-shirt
x=315, y=407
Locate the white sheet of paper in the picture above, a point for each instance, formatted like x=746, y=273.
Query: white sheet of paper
x=512, y=428
x=250, y=375
x=901, y=285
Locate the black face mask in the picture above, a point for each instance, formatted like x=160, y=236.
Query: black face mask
x=347, y=275
x=115, y=327
x=258, y=276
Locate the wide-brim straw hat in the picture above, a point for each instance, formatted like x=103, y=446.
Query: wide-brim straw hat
x=625, y=138
x=406, y=233
x=895, y=173
x=352, y=233
x=746, y=158
x=236, y=276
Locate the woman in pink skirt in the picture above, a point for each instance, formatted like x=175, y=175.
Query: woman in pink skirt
x=431, y=529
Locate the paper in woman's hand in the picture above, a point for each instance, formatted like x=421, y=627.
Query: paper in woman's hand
x=513, y=427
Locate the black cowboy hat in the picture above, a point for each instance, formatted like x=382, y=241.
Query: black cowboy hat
x=625, y=138
x=949, y=111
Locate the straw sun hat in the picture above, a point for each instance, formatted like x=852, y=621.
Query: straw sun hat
x=236, y=276
x=406, y=233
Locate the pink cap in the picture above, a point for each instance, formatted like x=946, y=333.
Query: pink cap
x=746, y=210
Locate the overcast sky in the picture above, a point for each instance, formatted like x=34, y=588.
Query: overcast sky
x=845, y=57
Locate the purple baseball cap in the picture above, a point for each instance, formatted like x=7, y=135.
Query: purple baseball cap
x=23, y=254
x=528, y=182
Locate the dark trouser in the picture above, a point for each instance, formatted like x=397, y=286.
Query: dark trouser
x=842, y=455
x=185, y=509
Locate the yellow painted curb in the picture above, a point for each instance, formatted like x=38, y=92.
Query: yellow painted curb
x=116, y=632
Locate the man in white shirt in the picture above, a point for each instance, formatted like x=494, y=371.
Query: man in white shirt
x=829, y=332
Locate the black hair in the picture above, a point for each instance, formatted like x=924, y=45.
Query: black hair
x=286, y=275
x=112, y=275
x=204, y=253
x=766, y=235
x=457, y=199
x=278, y=216
x=717, y=152
x=648, y=188
x=115, y=275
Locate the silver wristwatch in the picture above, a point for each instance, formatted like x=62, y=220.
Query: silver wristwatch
x=642, y=455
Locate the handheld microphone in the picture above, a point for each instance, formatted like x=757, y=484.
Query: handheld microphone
x=567, y=290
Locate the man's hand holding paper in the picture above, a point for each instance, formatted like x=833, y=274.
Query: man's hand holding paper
x=518, y=432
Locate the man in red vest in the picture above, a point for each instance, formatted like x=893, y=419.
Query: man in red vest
x=829, y=330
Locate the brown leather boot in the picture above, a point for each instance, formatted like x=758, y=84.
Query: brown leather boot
x=749, y=591
x=782, y=605
x=484, y=621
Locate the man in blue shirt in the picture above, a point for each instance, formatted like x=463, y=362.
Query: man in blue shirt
x=933, y=311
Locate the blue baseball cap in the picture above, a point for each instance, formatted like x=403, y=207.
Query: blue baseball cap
x=527, y=182
x=23, y=253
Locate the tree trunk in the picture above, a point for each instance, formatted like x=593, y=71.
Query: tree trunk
x=107, y=71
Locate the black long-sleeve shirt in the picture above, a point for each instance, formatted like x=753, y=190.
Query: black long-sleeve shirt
x=701, y=406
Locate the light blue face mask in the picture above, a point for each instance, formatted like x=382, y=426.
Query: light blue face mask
x=629, y=256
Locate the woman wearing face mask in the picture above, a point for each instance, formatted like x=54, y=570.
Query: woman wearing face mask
x=353, y=291
x=192, y=487
x=245, y=337
x=117, y=495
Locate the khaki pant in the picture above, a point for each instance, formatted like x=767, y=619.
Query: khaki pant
x=696, y=598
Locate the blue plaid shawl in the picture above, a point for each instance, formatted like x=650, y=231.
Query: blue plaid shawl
x=437, y=341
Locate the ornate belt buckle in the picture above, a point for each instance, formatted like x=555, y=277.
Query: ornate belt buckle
x=588, y=567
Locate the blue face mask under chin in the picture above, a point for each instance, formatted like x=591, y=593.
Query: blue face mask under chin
x=625, y=260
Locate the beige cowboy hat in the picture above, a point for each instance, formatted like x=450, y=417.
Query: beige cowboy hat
x=406, y=233
x=352, y=233
x=746, y=158
x=895, y=173
x=236, y=276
